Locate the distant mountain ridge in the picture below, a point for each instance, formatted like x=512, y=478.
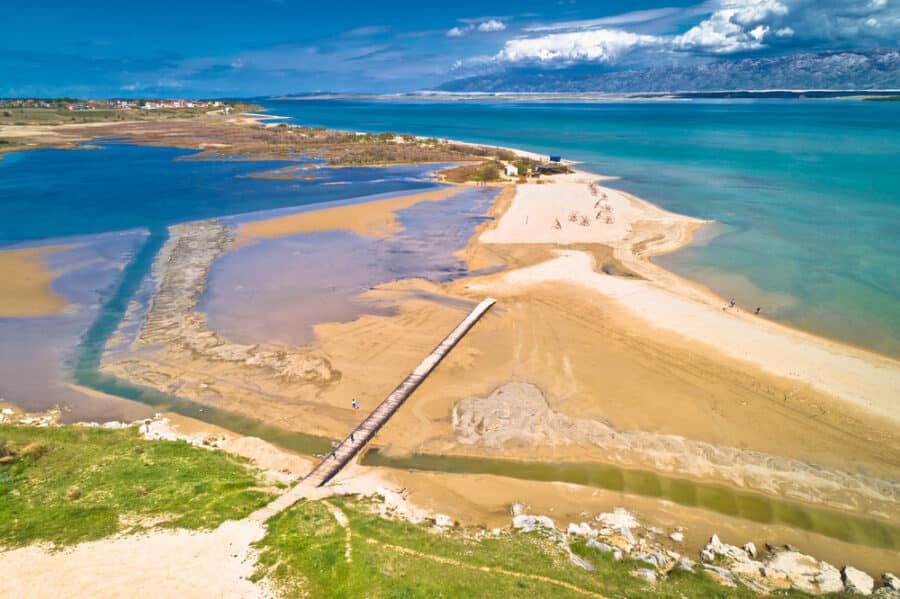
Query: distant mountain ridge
x=858, y=70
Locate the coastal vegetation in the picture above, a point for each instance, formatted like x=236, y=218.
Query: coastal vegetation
x=484, y=172
x=343, y=547
x=67, y=484
x=63, y=111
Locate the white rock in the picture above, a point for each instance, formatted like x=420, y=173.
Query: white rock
x=707, y=555
x=731, y=552
x=829, y=579
x=648, y=558
x=443, y=521
x=857, y=581
x=527, y=523
x=581, y=530
x=114, y=424
x=677, y=536
x=644, y=573
x=890, y=581
x=685, y=565
x=803, y=572
x=581, y=562
x=720, y=575
x=618, y=518
x=750, y=548
x=7, y=412
x=517, y=509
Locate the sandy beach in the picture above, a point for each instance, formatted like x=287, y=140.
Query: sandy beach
x=635, y=366
x=639, y=230
x=25, y=291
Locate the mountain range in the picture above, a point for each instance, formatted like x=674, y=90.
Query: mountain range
x=857, y=70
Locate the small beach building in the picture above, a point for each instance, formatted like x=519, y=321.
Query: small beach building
x=511, y=171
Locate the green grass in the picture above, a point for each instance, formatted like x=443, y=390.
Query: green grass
x=70, y=484
x=303, y=553
x=59, y=115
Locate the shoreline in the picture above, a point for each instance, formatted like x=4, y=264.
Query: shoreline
x=687, y=301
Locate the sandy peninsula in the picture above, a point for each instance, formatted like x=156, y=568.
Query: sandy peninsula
x=25, y=291
x=635, y=230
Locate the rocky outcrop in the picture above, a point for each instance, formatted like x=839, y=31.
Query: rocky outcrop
x=621, y=535
x=518, y=414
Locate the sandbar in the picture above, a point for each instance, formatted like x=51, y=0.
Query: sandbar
x=25, y=290
x=371, y=219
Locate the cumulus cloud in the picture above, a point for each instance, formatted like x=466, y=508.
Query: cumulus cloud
x=720, y=27
x=596, y=45
x=491, y=25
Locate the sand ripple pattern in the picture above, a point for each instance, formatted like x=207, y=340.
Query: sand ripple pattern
x=518, y=414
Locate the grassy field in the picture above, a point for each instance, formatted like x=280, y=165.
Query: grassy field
x=308, y=552
x=69, y=484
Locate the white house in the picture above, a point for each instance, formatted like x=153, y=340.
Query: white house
x=511, y=171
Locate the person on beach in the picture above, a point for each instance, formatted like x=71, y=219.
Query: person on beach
x=355, y=404
x=732, y=302
x=352, y=439
x=757, y=310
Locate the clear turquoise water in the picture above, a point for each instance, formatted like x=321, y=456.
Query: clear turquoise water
x=806, y=193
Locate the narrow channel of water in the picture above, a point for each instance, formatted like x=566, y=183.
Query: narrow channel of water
x=720, y=499
x=90, y=351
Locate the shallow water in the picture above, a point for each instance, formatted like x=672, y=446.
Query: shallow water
x=277, y=289
x=809, y=190
x=55, y=196
x=720, y=499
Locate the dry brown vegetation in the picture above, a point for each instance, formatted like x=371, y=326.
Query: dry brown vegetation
x=237, y=137
x=484, y=172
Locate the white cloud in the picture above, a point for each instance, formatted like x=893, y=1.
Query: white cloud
x=738, y=26
x=483, y=25
x=597, y=45
x=724, y=27
x=491, y=25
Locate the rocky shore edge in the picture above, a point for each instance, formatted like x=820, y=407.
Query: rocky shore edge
x=770, y=569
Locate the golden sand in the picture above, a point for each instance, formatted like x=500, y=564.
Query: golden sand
x=371, y=219
x=25, y=283
x=588, y=352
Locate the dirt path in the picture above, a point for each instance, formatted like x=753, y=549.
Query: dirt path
x=495, y=570
x=344, y=522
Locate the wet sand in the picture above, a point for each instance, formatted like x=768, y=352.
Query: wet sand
x=371, y=219
x=25, y=290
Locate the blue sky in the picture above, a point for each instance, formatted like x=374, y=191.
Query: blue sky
x=260, y=47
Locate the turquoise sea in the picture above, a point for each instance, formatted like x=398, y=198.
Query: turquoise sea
x=805, y=193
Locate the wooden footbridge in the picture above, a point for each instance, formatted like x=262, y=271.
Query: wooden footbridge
x=362, y=434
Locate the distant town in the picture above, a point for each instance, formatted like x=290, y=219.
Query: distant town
x=110, y=104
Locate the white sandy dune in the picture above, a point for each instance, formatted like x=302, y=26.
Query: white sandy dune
x=867, y=380
x=543, y=213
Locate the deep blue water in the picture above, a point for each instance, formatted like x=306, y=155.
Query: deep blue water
x=806, y=193
x=57, y=193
